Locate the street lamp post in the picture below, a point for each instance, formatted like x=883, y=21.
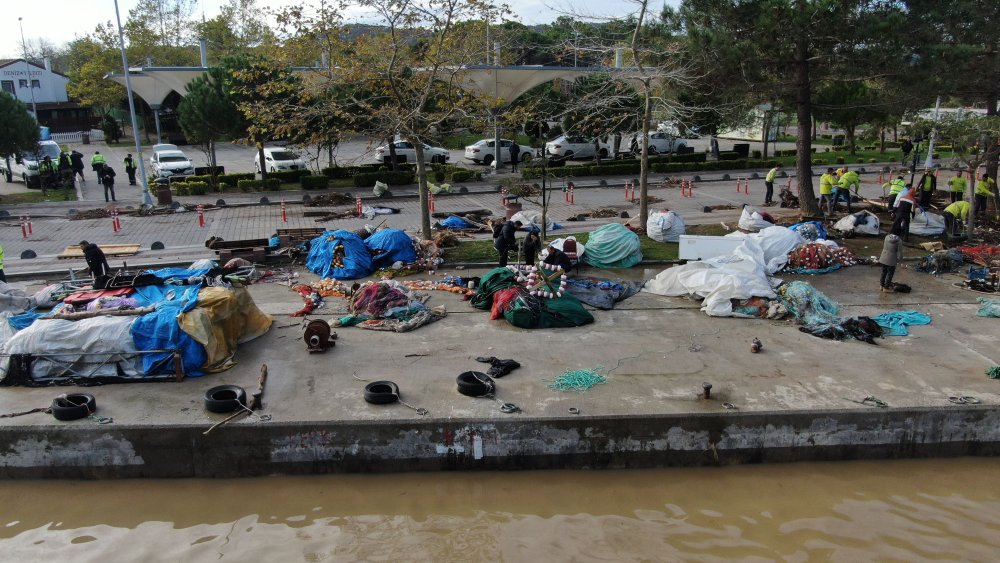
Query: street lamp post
x=27, y=69
x=146, y=199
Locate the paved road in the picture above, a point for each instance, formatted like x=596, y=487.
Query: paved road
x=240, y=158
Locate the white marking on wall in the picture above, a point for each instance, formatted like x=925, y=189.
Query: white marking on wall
x=104, y=450
x=477, y=447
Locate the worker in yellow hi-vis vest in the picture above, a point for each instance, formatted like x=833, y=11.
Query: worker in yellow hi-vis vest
x=769, y=183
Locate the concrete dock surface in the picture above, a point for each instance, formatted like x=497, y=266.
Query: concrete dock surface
x=796, y=400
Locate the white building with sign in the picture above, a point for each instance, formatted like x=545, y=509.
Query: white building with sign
x=41, y=87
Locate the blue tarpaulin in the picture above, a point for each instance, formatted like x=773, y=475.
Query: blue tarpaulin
x=159, y=330
x=894, y=323
x=356, y=261
x=177, y=273
x=456, y=222
x=389, y=246
x=24, y=320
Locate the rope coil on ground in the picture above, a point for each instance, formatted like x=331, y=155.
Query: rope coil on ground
x=479, y=385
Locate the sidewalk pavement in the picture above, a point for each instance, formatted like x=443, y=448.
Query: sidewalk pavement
x=244, y=218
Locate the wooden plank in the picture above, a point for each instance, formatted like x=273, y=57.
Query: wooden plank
x=308, y=232
x=232, y=244
x=108, y=249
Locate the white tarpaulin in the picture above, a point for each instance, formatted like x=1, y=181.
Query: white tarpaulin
x=926, y=224
x=664, y=226
x=739, y=275
x=863, y=222
x=558, y=245
x=14, y=300
x=751, y=220
x=61, y=348
x=533, y=219
x=775, y=243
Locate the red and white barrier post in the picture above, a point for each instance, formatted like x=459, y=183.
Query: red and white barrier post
x=115, y=225
x=284, y=212
x=201, y=215
x=27, y=219
x=24, y=226
x=357, y=203
x=739, y=184
x=430, y=202
x=628, y=189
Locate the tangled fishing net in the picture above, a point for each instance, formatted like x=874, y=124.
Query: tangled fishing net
x=819, y=258
x=578, y=380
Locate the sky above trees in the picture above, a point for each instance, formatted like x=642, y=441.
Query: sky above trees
x=60, y=21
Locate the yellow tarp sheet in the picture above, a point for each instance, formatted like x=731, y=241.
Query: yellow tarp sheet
x=223, y=319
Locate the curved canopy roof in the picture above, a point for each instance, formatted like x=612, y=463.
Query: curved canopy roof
x=154, y=84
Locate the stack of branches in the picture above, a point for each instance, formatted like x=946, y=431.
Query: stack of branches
x=344, y=214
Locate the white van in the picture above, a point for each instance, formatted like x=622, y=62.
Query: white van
x=278, y=158
x=25, y=166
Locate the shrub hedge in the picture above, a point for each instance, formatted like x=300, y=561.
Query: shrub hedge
x=271, y=184
x=632, y=167
x=314, y=182
x=389, y=177
x=233, y=180
x=289, y=176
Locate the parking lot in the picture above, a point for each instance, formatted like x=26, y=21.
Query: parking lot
x=240, y=158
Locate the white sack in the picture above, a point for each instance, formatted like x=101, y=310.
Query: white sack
x=664, y=226
x=751, y=220
x=43, y=297
x=850, y=223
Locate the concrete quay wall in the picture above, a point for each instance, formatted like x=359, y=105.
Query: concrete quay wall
x=243, y=449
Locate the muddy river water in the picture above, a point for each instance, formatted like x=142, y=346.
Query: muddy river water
x=855, y=511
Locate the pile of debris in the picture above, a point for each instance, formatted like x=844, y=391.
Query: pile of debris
x=329, y=200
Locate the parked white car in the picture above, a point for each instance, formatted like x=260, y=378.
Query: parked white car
x=165, y=147
x=575, y=147
x=170, y=162
x=278, y=158
x=660, y=142
x=406, y=152
x=25, y=166
x=484, y=152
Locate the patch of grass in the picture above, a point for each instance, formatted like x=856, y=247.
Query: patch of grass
x=483, y=251
x=710, y=230
x=36, y=197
